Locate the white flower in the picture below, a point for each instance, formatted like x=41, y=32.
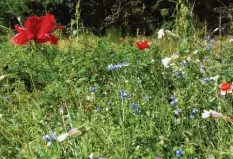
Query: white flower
x=211, y=113
x=166, y=62
x=160, y=33
x=216, y=29
x=74, y=131
x=195, y=52
x=3, y=77
x=215, y=78
x=175, y=56
x=205, y=114
x=62, y=137
x=230, y=40
x=19, y=19
x=188, y=58
x=215, y=115
x=49, y=143
x=91, y=156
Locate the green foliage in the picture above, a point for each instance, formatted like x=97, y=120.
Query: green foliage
x=49, y=88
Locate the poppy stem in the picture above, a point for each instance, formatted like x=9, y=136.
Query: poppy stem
x=47, y=58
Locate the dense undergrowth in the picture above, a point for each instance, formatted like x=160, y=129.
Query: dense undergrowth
x=125, y=102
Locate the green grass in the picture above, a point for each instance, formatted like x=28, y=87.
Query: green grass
x=39, y=87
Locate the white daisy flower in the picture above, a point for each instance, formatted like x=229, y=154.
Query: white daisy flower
x=160, y=33
x=62, y=137
x=166, y=62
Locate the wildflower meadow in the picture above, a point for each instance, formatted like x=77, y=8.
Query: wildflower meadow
x=164, y=96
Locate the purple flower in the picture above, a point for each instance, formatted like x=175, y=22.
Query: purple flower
x=194, y=110
x=182, y=74
x=123, y=94
x=179, y=74
x=49, y=137
x=134, y=106
x=172, y=97
x=184, y=63
x=206, y=80
x=172, y=100
x=179, y=153
x=113, y=67
x=92, y=89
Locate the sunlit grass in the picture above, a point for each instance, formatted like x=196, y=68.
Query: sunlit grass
x=78, y=91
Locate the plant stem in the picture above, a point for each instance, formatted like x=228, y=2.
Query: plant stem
x=47, y=58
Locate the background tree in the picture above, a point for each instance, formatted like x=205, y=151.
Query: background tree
x=130, y=16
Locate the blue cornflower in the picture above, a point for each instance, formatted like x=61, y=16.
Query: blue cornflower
x=92, y=89
x=134, y=106
x=49, y=137
x=135, y=110
x=179, y=74
x=172, y=97
x=182, y=74
x=207, y=79
x=179, y=153
x=123, y=94
x=113, y=67
x=184, y=63
x=194, y=110
x=174, y=102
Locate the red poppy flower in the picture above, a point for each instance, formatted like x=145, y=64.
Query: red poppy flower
x=142, y=44
x=38, y=29
x=225, y=88
x=121, y=39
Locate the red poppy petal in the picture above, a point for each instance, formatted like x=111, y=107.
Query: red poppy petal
x=33, y=25
x=48, y=37
x=139, y=45
x=48, y=24
x=52, y=39
x=20, y=29
x=20, y=39
x=60, y=27
x=225, y=86
x=42, y=39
